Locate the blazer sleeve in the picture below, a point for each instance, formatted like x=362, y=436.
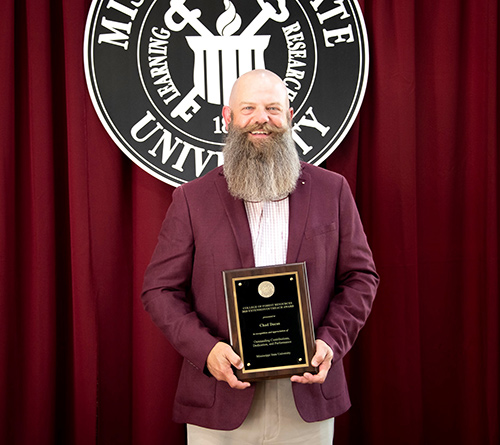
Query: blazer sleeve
x=166, y=293
x=356, y=280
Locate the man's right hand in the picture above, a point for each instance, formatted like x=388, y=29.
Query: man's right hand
x=219, y=362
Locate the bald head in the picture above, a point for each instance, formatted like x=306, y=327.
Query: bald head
x=258, y=97
x=258, y=81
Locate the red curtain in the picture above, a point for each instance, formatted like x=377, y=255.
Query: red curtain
x=81, y=362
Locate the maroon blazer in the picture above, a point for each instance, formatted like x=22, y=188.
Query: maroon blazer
x=205, y=232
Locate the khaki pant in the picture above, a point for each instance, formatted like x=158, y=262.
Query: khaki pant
x=273, y=420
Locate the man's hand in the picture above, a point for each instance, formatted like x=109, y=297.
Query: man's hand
x=322, y=358
x=219, y=363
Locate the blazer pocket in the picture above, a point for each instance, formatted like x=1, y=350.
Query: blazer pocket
x=195, y=388
x=320, y=230
x=335, y=386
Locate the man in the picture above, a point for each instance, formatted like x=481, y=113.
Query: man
x=262, y=207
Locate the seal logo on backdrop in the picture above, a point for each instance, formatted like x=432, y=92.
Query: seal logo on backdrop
x=159, y=71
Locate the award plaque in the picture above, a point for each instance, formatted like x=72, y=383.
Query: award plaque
x=270, y=322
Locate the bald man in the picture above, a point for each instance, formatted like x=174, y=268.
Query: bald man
x=263, y=207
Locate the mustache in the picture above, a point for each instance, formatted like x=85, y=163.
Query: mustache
x=268, y=128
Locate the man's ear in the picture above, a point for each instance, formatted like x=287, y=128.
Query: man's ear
x=226, y=114
x=290, y=110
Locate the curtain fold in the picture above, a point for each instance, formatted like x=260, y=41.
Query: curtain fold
x=80, y=360
x=7, y=224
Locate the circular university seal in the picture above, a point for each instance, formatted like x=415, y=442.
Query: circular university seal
x=159, y=72
x=266, y=289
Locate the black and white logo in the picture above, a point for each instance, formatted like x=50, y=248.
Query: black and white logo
x=159, y=71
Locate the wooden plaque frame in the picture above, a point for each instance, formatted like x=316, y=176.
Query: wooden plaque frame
x=270, y=321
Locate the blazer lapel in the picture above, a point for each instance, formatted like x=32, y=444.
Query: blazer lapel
x=236, y=214
x=299, y=211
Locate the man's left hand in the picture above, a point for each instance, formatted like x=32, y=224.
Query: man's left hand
x=322, y=359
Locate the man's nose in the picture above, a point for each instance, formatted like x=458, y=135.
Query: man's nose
x=261, y=116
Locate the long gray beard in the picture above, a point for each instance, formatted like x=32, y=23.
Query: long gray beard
x=266, y=171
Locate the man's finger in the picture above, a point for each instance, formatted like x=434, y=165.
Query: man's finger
x=219, y=363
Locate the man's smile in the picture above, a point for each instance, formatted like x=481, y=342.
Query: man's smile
x=259, y=133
